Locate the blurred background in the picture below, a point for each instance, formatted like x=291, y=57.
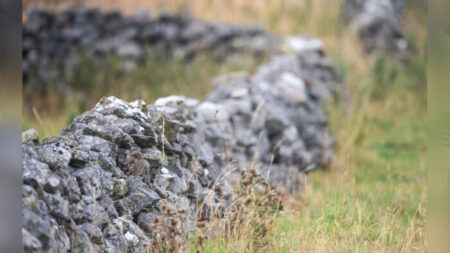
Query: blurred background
x=49, y=107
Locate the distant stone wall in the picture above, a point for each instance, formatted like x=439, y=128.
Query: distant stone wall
x=378, y=24
x=53, y=41
x=77, y=196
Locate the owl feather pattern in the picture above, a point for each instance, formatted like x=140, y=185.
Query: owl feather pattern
x=134, y=165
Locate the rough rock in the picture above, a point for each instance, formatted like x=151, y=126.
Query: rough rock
x=271, y=120
x=53, y=42
x=75, y=195
x=68, y=192
x=378, y=24
x=30, y=135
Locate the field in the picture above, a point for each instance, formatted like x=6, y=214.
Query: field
x=372, y=198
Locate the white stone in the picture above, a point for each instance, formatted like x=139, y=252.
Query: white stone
x=239, y=93
x=113, y=102
x=131, y=238
x=210, y=110
x=299, y=44
x=294, y=87
x=29, y=135
x=176, y=101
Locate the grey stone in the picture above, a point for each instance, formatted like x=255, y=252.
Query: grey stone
x=120, y=188
x=131, y=231
x=139, y=197
x=108, y=204
x=75, y=194
x=77, y=212
x=38, y=226
x=127, y=37
x=116, y=243
x=110, y=230
x=79, y=158
x=94, y=233
x=72, y=190
x=378, y=25
x=169, y=182
x=30, y=243
x=52, y=183
x=144, y=141
x=58, y=206
x=96, y=214
x=94, y=182
x=81, y=242
x=107, y=163
x=176, y=101
x=124, y=139
x=30, y=135
x=129, y=50
x=145, y=220
x=55, y=153
x=35, y=173
x=153, y=156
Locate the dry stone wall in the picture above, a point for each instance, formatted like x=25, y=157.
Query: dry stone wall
x=78, y=197
x=54, y=41
x=378, y=24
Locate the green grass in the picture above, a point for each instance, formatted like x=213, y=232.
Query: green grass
x=156, y=78
x=372, y=199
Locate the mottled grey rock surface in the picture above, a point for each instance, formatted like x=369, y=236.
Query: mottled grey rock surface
x=77, y=197
x=272, y=120
x=53, y=42
x=378, y=24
